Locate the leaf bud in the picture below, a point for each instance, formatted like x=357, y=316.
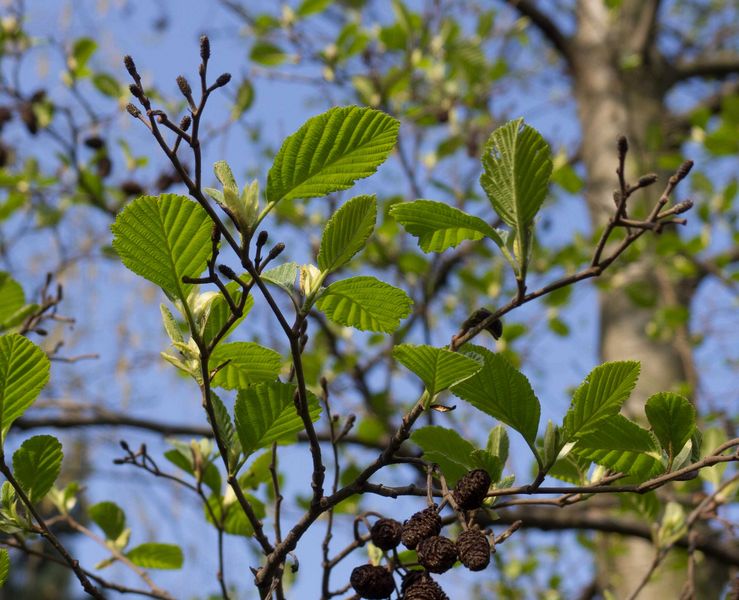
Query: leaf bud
x=276, y=251
x=683, y=170
x=648, y=179
x=623, y=146
x=227, y=271
x=136, y=91
x=130, y=66
x=262, y=238
x=184, y=86
x=133, y=111
x=185, y=123
x=222, y=80
x=204, y=48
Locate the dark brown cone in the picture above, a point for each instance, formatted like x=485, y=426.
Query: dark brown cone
x=131, y=188
x=438, y=554
x=372, y=582
x=473, y=549
x=419, y=586
x=420, y=526
x=385, y=534
x=471, y=489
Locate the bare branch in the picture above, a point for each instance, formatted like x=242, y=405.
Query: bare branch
x=720, y=64
x=546, y=26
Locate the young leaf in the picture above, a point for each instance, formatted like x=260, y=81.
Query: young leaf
x=498, y=443
x=446, y=448
x=170, y=325
x=600, y=396
x=365, y=303
x=36, y=465
x=163, y=238
x=220, y=312
x=502, y=392
x=266, y=413
x=234, y=520
x=246, y=363
x=439, y=226
x=346, y=232
x=282, y=276
x=24, y=371
x=672, y=418
x=620, y=445
x=109, y=517
x=330, y=152
x=517, y=165
x=436, y=367
x=12, y=297
x=4, y=566
x=156, y=556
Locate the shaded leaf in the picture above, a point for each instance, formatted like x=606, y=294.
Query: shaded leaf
x=600, y=396
x=36, y=465
x=109, y=517
x=153, y=555
x=502, y=392
x=672, y=418
x=282, y=276
x=347, y=232
x=266, y=413
x=365, y=303
x=439, y=226
x=446, y=448
x=248, y=363
x=438, y=368
x=4, y=566
x=12, y=297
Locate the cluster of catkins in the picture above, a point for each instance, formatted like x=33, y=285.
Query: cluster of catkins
x=436, y=553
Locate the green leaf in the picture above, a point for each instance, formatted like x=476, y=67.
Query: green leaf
x=266, y=413
x=82, y=50
x=4, y=566
x=170, y=325
x=621, y=445
x=107, y=85
x=439, y=226
x=600, y=396
x=244, y=99
x=517, y=165
x=498, y=443
x=156, y=556
x=311, y=7
x=248, y=363
x=267, y=54
x=163, y=238
x=330, y=152
x=502, y=392
x=365, y=303
x=672, y=418
x=446, y=448
x=36, y=465
x=282, y=276
x=436, y=367
x=12, y=297
x=24, y=371
x=347, y=232
x=235, y=522
x=109, y=517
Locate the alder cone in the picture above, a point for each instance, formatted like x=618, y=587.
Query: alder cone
x=473, y=549
x=420, y=526
x=373, y=582
x=471, y=489
x=417, y=585
x=437, y=553
x=385, y=533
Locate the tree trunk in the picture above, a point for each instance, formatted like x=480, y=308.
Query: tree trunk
x=616, y=100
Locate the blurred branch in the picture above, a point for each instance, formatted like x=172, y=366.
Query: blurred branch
x=719, y=64
x=546, y=26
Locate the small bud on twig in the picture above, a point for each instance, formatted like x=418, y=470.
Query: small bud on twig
x=185, y=123
x=623, y=146
x=204, y=48
x=275, y=252
x=184, y=86
x=648, y=179
x=133, y=111
x=683, y=170
x=215, y=234
x=136, y=91
x=682, y=207
x=222, y=80
x=262, y=238
x=130, y=66
x=226, y=271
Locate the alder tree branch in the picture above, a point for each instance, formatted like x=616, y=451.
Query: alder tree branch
x=547, y=27
x=718, y=64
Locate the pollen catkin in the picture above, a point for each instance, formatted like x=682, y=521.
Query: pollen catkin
x=437, y=553
x=471, y=489
x=370, y=581
x=420, y=526
x=473, y=549
x=385, y=534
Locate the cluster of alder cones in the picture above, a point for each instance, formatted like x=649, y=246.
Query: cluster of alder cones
x=436, y=553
